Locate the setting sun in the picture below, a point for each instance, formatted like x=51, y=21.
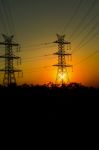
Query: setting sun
x=49, y=58
x=39, y=43
x=62, y=76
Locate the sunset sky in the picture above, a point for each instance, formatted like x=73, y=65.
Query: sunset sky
x=36, y=22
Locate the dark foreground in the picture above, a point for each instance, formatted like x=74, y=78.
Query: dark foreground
x=42, y=102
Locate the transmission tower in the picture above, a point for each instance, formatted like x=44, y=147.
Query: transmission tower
x=9, y=70
x=62, y=72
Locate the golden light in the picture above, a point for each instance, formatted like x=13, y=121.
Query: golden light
x=62, y=76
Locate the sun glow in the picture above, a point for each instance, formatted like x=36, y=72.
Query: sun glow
x=62, y=76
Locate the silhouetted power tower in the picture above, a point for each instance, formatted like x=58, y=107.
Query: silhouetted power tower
x=9, y=70
x=62, y=72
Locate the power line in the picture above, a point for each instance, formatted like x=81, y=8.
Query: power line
x=32, y=49
x=93, y=28
x=74, y=14
x=6, y=15
x=32, y=60
x=11, y=18
x=86, y=26
x=72, y=6
x=3, y=18
x=86, y=58
x=91, y=8
x=39, y=44
x=35, y=57
x=46, y=55
x=50, y=66
x=83, y=42
x=89, y=36
x=86, y=42
x=80, y=62
x=38, y=69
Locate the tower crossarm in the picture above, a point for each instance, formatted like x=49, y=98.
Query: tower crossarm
x=60, y=53
x=62, y=42
x=11, y=57
x=10, y=44
x=14, y=70
x=62, y=65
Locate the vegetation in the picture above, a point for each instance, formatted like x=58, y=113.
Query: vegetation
x=46, y=100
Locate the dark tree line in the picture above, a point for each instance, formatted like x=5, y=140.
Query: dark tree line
x=44, y=101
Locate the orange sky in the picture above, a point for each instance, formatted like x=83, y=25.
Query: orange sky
x=40, y=70
x=38, y=22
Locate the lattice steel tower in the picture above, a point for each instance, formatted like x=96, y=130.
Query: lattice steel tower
x=9, y=70
x=62, y=73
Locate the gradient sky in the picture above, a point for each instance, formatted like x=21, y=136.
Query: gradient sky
x=34, y=22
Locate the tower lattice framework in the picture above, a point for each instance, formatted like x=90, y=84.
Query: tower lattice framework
x=62, y=76
x=9, y=70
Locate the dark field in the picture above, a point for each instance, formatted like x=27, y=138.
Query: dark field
x=45, y=103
